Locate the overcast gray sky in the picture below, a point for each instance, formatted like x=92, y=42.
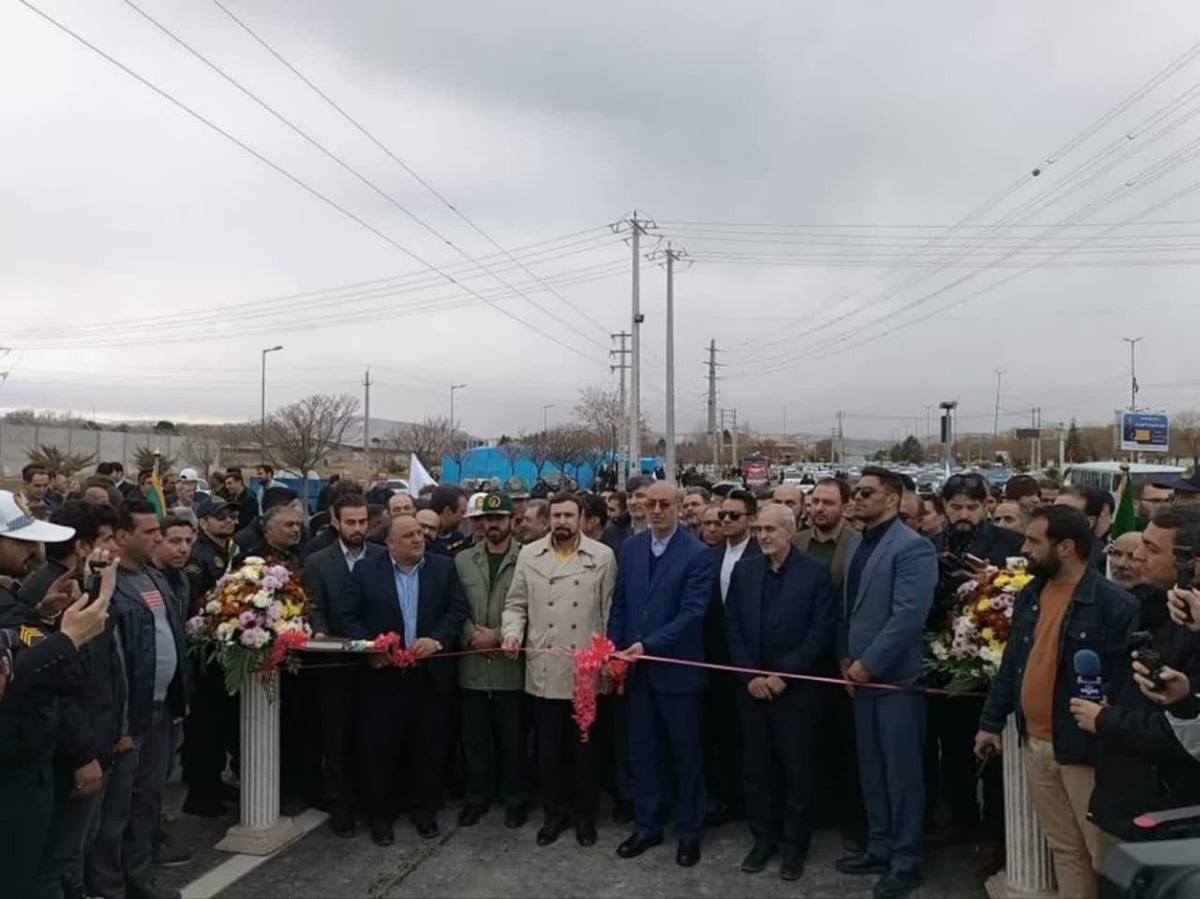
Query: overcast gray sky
x=145, y=260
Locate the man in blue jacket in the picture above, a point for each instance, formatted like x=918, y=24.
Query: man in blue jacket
x=890, y=579
x=779, y=616
x=663, y=587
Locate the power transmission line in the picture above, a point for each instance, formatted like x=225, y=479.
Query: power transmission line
x=293, y=178
x=395, y=158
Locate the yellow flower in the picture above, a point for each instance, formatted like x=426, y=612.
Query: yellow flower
x=996, y=645
x=1002, y=580
x=983, y=605
x=987, y=633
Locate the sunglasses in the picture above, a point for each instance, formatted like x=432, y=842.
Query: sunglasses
x=730, y=516
x=865, y=492
x=958, y=481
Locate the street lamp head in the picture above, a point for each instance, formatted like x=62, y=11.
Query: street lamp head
x=457, y=386
x=272, y=349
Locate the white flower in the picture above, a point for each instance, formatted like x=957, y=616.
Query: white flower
x=212, y=607
x=939, y=651
x=261, y=599
x=225, y=631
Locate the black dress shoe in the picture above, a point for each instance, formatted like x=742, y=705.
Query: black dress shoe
x=551, y=830
x=622, y=811
x=585, y=832
x=862, y=864
x=515, y=816
x=342, y=822
x=688, y=853
x=426, y=825
x=382, y=834
x=757, y=858
x=896, y=886
x=471, y=813
x=854, y=843
x=637, y=844
x=791, y=864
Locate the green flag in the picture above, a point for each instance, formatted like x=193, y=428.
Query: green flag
x=1126, y=517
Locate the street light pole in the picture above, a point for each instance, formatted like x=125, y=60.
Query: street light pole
x=996, y=419
x=453, y=387
x=545, y=420
x=262, y=432
x=1133, y=384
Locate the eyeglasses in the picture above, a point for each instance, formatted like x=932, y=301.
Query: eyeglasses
x=658, y=503
x=730, y=516
x=865, y=492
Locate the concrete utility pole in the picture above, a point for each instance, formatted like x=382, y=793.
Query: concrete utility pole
x=996, y=419
x=729, y=416
x=636, y=227
x=453, y=428
x=367, y=418
x=670, y=255
x=1133, y=384
x=622, y=436
x=713, y=434
x=840, y=449
x=948, y=407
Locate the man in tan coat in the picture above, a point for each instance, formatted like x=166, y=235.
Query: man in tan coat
x=560, y=596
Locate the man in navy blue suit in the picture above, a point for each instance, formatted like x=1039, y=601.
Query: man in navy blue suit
x=664, y=583
x=418, y=596
x=779, y=616
x=890, y=579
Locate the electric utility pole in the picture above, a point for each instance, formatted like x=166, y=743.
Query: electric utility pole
x=622, y=365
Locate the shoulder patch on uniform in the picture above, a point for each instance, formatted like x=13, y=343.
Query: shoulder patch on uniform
x=29, y=635
x=192, y=568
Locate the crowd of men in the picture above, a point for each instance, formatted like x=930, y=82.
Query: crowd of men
x=97, y=697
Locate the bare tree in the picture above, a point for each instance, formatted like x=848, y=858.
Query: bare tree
x=202, y=451
x=302, y=433
x=538, y=447
x=1185, y=435
x=428, y=439
x=514, y=452
x=599, y=409
x=567, y=446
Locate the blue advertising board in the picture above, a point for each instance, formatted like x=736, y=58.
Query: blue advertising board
x=1145, y=432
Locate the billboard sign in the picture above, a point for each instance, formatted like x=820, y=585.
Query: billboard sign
x=1145, y=432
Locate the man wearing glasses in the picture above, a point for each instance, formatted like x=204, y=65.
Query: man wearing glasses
x=664, y=584
x=722, y=738
x=890, y=579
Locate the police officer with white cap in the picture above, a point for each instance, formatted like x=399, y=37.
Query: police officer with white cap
x=39, y=661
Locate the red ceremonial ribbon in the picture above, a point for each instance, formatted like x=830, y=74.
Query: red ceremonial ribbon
x=602, y=658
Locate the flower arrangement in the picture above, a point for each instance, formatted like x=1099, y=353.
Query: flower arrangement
x=251, y=621
x=966, y=654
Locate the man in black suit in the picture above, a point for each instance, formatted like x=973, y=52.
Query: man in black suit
x=722, y=738
x=325, y=575
x=779, y=616
x=420, y=597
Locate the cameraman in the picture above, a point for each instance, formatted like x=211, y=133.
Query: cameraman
x=1140, y=766
x=36, y=668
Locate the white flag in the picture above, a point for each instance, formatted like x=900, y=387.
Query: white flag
x=418, y=477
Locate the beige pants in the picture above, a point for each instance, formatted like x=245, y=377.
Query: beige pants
x=1060, y=795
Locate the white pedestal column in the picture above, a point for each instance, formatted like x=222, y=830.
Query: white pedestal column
x=1029, y=871
x=261, y=830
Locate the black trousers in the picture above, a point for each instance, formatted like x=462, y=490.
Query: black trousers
x=300, y=743
x=567, y=765
x=611, y=736
x=338, y=701
x=779, y=739
x=404, y=721
x=493, y=740
x=210, y=734
x=950, y=767
x=838, y=798
x=26, y=807
x=723, y=740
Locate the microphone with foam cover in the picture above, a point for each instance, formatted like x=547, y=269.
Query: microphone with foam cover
x=1089, y=684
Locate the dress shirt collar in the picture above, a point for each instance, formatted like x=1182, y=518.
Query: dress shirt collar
x=737, y=549
x=397, y=567
x=350, y=556
x=658, y=547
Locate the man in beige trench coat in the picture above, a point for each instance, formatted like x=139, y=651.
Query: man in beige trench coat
x=560, y=596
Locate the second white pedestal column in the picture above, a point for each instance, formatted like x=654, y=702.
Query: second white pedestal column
x=1029, y=869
